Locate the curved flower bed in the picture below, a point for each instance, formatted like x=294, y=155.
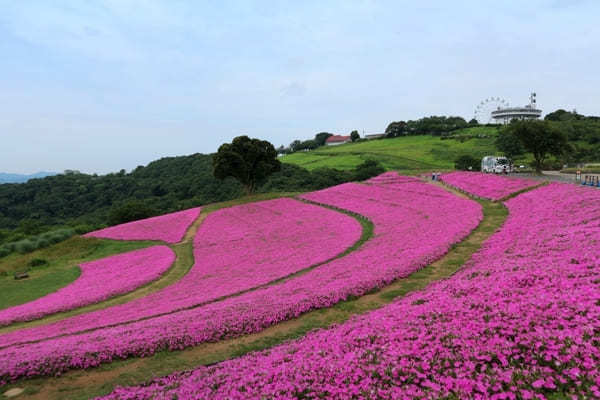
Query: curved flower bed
x=411, y=230
x=99, y=280
x=390, y=177
x=236, y=249
x=521, y=321
x=487, y=186
x=169, y=228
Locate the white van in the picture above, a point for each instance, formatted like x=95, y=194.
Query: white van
x=496, y=165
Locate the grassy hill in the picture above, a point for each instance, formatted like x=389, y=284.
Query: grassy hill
x=408, y=154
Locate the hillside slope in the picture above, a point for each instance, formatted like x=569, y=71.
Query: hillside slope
x=409, y=154
x=164, y=185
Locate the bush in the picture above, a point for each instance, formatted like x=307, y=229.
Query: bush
x=36, y=242
x=38, y=262
x=42, y=242
x=4, y=252
x=130, y=211
x=81, y=229
x=24, y=246
x=552, y=165
x=464, y=162
x=367, y=169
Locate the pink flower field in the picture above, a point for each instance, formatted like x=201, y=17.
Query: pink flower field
x=415, y=223
x=99, y=280
x=487, y=186
x=168, y=228
x=520, y=321
x=236, y=249
x=390, y=177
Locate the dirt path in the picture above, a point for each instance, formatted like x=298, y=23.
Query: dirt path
x=101, y=380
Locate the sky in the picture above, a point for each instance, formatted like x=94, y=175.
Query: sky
x=99, y=86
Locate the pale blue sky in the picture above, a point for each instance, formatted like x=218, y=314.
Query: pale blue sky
x=104, y=85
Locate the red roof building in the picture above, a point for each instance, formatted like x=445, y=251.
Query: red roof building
x=337, y=139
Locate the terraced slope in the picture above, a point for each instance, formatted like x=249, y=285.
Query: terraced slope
x=236, y=249
x=401, y=245
x=521, y=320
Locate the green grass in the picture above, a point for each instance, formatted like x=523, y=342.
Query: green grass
x=62, y=268
x=14, y=292
x=410, y=154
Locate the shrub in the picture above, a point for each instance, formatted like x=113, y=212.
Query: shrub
x=465, y=162
x=130, y=211
x=367, y=169
x=36, y=242
x=24, y=246
x=4, y=251
x=81, y=229
x=42, y=242
x=38, y=262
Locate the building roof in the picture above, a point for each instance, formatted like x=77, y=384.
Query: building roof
x=337, y=139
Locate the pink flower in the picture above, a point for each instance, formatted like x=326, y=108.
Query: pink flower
x=169, y=228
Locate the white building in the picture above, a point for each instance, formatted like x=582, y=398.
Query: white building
x=505, y=115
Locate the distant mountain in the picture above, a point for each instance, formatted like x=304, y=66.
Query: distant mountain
x=21, y=178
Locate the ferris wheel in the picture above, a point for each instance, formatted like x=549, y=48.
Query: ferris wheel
x=483, y=110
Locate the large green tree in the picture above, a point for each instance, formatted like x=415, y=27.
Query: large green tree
x=508, y=143
x=540, y=138
x=321, y=137
x=250, y=161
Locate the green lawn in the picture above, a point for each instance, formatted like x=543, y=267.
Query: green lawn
x=410, y=154
x=62, y=268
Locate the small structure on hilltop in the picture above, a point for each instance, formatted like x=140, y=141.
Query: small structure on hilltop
x=497, y=110
x=505, y=115
x=370, y=136
x=337, y=139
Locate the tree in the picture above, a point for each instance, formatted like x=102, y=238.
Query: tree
x=294, y=146
x=467, y=163
x=321, y=137
x=367, y=169
x=250, y=161
x=130, y=211
x=473, y=122
x=562, y=115
x=540, y=138
x=395, y=129
x=309, y=144
x=354, y=136
x=508, y=143
x=282, y=150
